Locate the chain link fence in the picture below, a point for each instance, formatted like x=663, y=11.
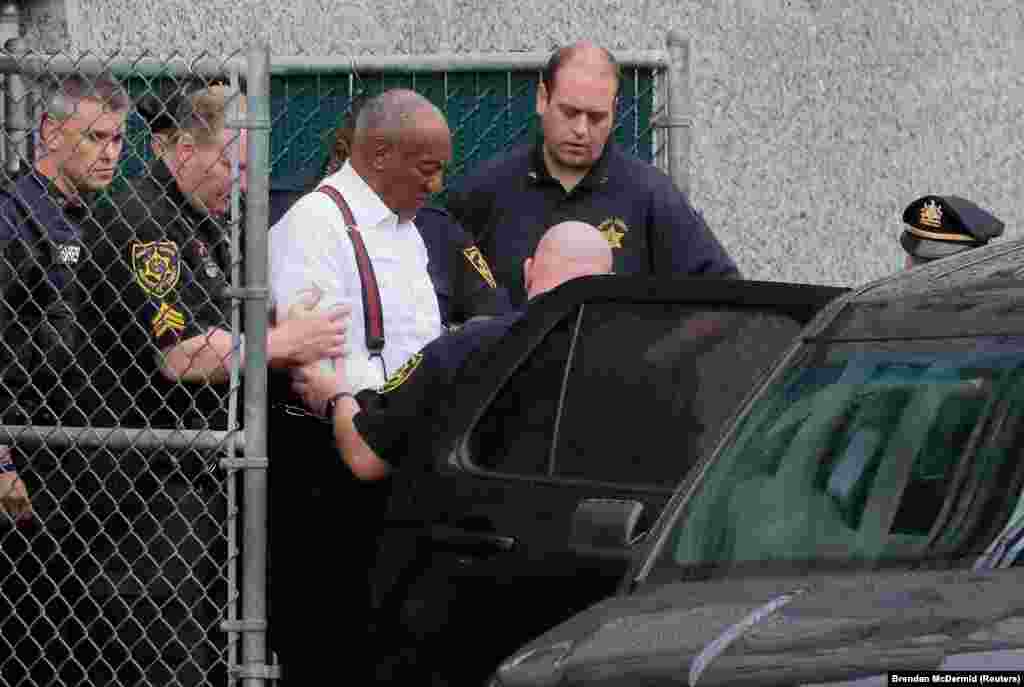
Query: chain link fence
x=132, y=568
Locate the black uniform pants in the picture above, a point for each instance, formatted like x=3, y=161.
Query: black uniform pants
x=323, y=541
x=119, y=578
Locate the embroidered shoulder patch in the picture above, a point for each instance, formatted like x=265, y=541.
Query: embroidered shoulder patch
x=403, y=373
x=167, y=320
x=157, y=266
x=479, y=263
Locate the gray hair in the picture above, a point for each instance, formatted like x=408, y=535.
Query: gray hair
x=62, y=96
x=391, y=112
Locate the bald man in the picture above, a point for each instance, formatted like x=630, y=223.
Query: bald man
x=573, y=172
x=379, y=430
x=400, y=147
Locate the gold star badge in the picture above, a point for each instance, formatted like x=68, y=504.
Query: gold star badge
x=613, y=229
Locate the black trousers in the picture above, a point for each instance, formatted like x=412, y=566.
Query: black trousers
x=324, y=525
x=119, y=579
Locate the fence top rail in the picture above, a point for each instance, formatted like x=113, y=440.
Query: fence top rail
x=208, y=66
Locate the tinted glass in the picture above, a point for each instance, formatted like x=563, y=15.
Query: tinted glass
x=857, y=455
x=514, y=435
x=651, y=385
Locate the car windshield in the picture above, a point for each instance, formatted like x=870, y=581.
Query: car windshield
x=865, y=453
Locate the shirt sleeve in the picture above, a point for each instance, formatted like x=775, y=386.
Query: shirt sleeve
x=680, y=240
x=470, y=205
x=306, y=255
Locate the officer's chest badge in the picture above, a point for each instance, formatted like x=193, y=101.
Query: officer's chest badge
x=403, y=373
x=157, y=266
x=479, y=263
x=931, y=215
x=613, y=229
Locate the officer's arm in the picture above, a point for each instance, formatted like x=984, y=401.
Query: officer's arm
x=294, y=342
x=361, y=459
x=680, y=240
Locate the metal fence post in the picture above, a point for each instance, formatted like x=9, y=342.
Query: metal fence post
x=255, y=671
x=680, y=100
x=16, y=111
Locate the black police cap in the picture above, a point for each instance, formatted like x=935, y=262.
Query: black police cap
x=940, y=226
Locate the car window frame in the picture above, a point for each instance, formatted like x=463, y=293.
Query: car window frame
x=801, y=302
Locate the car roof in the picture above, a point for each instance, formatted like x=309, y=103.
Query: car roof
x=977, y=293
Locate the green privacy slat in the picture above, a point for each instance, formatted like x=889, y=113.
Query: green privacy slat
x=487, y=111
x=645, y=110
x=490, y=122
x=461, y=114
x=522, y=120
x=431, y=87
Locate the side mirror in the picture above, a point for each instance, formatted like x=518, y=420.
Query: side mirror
x=605, y=527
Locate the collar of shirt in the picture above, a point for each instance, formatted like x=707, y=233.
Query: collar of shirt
x=596, y=177
x=43, y=190
x=368, y=209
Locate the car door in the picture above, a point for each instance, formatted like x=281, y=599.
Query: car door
x=609, y=388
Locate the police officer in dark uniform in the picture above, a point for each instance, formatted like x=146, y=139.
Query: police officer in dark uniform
x=45, y=359
x=164, y=264
x=462, y=278
x=166, y=258
x=940, y=226
x=399, y=423
x=575, y=173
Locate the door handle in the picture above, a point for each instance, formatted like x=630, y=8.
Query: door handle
x=469, y=542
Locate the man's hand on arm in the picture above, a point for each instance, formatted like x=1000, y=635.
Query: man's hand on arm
x=206, y=357
x=316, y=385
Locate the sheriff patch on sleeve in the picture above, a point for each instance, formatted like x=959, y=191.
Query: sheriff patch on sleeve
x=157, y=266
x=168, y=322
x=403, y=373
x=479, y=263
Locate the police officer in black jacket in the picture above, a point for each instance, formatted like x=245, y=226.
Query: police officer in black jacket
x=165, y=256
x=576, y=173
x=46, y=356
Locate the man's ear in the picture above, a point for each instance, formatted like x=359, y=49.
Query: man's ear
x=51, y=132
x=527, y=270
x=542, y=99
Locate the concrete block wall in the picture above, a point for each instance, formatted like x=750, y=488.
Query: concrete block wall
x=815, y=121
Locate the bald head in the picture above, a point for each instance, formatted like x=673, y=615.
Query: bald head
x=566, y=251
x=585, y=56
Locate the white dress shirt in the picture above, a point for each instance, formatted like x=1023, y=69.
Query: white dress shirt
x=310, y=248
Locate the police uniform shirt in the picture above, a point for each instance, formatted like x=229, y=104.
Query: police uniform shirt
x=462, y=277
x=509, y=202
x=404, y=418
x=165, y=269
x=310, y=248
x=42, y=256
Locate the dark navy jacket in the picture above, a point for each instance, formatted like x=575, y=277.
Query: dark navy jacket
x=507, y=203
x=42, y=258
x=404, y=418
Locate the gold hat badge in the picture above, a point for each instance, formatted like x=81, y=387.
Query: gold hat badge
x=931, y=215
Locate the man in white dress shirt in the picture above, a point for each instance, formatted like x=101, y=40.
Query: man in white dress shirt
x=400, y=148
x=399, y=151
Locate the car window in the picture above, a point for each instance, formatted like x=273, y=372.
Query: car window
x=651, y=384
x=514, y=434
x=856, y=455
x=627, y=393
